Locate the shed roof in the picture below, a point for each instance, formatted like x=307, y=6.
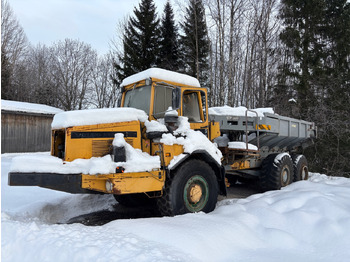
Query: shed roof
x=16, y=106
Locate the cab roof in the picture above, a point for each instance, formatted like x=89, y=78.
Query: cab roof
x=162, y=74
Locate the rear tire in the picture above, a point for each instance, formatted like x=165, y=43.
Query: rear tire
x=193, y=188
x=300, y=166
x=277, y=172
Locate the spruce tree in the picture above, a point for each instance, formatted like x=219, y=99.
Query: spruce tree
x=169, y=45
x=302, y=20
x=317, y=39
x=141, y=40
x=195, y=42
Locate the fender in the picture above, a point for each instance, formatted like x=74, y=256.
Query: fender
x=219, y=170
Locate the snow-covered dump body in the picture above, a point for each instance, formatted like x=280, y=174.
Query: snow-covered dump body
x=263, y=126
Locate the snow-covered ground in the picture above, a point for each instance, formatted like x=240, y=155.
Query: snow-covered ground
x=306, y=221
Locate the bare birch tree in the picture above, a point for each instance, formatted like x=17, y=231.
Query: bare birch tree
x=13, y=48
x=72, y=69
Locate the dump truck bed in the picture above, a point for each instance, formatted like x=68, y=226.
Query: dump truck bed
x=269, y=130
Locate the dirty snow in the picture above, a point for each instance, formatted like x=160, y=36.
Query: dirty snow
x=239, y=111
x=28, y=107
x=97, y=116
x=306, y=221
x=162, y=74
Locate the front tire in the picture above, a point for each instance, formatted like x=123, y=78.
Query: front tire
x=193, y=188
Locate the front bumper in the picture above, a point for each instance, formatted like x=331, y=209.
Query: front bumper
x=70, y=183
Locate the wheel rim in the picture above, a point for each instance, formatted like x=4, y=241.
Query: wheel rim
x=285, y=176
x=196, y=193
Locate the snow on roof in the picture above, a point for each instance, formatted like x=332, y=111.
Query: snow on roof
x=163, y=74
x=238, y=111
x=97, y=116
x=28, y=107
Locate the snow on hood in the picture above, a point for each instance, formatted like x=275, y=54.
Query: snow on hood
x=162, y=74
x=136, y=160
x=97, y=116
x=238, y=111
x=28, y=107
x=191, y=141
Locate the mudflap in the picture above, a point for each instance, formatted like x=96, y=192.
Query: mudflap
x=70, y=183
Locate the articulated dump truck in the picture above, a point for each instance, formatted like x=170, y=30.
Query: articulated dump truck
x=163, y=145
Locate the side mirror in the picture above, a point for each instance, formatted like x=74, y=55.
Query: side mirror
x=176, y=98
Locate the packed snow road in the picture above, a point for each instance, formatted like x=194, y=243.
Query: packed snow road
x=306, y=221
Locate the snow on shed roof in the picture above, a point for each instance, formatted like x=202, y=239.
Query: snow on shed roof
x=28, y=107
x=163, y=74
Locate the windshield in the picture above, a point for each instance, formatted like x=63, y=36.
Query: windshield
x=138, y=98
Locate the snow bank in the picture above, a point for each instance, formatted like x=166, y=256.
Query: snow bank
x=28, y=107
x=238, y=111
x=306, y=221
x=97, y=116
x=163, y=75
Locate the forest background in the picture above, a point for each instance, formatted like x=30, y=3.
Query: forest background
x=291, y=55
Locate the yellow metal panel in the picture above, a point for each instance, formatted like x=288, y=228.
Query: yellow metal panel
x=241, y=164
x=214, y=128
x=126, y=183
x=170, y=151
x=98, y=146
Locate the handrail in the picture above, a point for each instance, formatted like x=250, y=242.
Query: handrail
x=246, y=127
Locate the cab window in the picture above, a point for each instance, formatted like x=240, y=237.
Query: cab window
x=191, y=108
x=138, y=98
x=162, y=100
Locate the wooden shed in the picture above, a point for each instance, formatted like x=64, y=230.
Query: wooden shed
x=26, y=127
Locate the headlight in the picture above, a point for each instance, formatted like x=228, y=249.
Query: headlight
x=109, y=186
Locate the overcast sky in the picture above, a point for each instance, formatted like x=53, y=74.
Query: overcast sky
x=91, y=21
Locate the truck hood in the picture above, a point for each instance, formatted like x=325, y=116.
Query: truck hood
x=97, y=116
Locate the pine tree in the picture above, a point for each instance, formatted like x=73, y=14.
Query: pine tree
x=141, y=40
x=195, y=42
x=169, y=48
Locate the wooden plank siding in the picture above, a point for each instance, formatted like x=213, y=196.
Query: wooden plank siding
x=25, y=132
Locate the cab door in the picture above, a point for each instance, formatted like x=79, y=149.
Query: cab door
x=195, y=108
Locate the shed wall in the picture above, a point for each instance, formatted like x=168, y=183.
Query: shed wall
x=25, y=132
